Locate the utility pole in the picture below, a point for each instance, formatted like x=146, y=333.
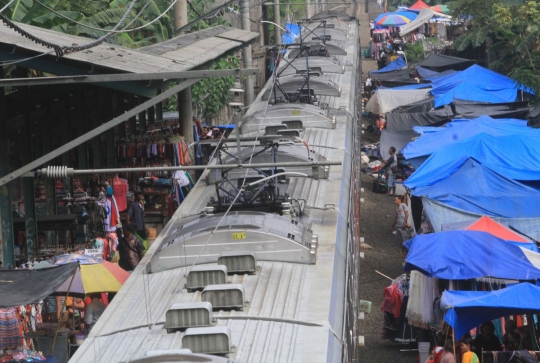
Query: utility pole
x=277, y=20
x=308, y=9
x=249, y=94
x=185, y=111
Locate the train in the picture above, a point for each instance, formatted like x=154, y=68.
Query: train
x=260, y=263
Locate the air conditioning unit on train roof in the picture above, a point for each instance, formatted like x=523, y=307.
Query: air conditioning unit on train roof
x=212, y=340
x=203, y=275
x=238, y=262
x=224, y=296
x=182, y=316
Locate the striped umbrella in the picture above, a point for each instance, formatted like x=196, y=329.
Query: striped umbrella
x=440, y=9
x=393, y=20
x=93, y=278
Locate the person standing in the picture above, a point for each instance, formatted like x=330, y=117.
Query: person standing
x=406, y=231
x=131, y=248
x=379, y=2
x=135, y=214
x=448, y=355
x=467, y=355
x=391, y=167
x=94, y=310
x=371, y=28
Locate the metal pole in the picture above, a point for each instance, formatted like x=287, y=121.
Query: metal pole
x=185, y=110
x=308, y=9
x=6, y=217
x=277, y=20
x=71, y=172
x=249, y=94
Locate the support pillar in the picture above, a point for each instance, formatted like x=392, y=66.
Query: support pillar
x=28, y=183
x=6, y=217
x=249, y=94
x=309, y=12
x=185, y=108
x=277, y=20
x=30, y=217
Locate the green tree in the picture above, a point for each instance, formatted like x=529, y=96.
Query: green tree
x=512, y=34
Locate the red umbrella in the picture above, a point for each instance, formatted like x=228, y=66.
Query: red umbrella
x=418, y=5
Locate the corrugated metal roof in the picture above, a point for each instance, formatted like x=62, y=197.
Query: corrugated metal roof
x=178, y=54
x=288, y=312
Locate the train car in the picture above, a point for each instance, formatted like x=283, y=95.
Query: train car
x=260, y=264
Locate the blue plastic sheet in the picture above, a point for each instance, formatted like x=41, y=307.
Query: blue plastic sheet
x=476, y=83
x=443, y=217
x=409, y=86
x=461, y=130
x=462, y=255
x=293, y=32
x=398, y=63
x=475, y=188
x=468, y=309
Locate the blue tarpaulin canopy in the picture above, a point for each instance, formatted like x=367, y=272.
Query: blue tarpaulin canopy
x=476, y=83
x=515, y=156
x=427, y=73
x=462, y=255
x=467, y=309
x=473, y=187
x=398, y=63
x=460, y=130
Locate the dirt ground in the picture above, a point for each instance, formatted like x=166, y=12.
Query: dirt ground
x=383, y=254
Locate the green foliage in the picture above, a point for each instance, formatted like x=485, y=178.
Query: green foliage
x=415, y=52
x=217, y=90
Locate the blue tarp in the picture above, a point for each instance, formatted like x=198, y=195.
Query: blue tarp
x=293, y=32
x=462, y=255
x=476, y=83
x=475, y=188
x=514, y=156
x=398, y=63
x=426, y=73
x=467, y=309
x=460, y=130
x=441, y=215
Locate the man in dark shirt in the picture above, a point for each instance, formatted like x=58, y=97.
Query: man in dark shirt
x=135, y=215
x=130, y=249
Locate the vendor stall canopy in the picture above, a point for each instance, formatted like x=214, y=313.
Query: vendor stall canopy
x=462, y=255
x=397, y=64
x=439, y=62
x=476, y=83
x=475, y=188
x=425, y=15
x=514, y=156
x=385, y=100
x=21, y=287
x=468, y=309
x=406, y=14
x=460, y=130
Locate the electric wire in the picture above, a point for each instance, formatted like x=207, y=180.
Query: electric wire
x=60, y=50
x=124, y=30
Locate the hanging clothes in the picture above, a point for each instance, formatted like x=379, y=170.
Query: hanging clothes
x=10, y=335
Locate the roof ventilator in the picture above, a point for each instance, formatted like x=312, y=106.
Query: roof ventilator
x=182, y=316
x=294, y=124
x=236, y=262
x=201, y=276
x=273, y=129
x=212, y=340
x=224, y=296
